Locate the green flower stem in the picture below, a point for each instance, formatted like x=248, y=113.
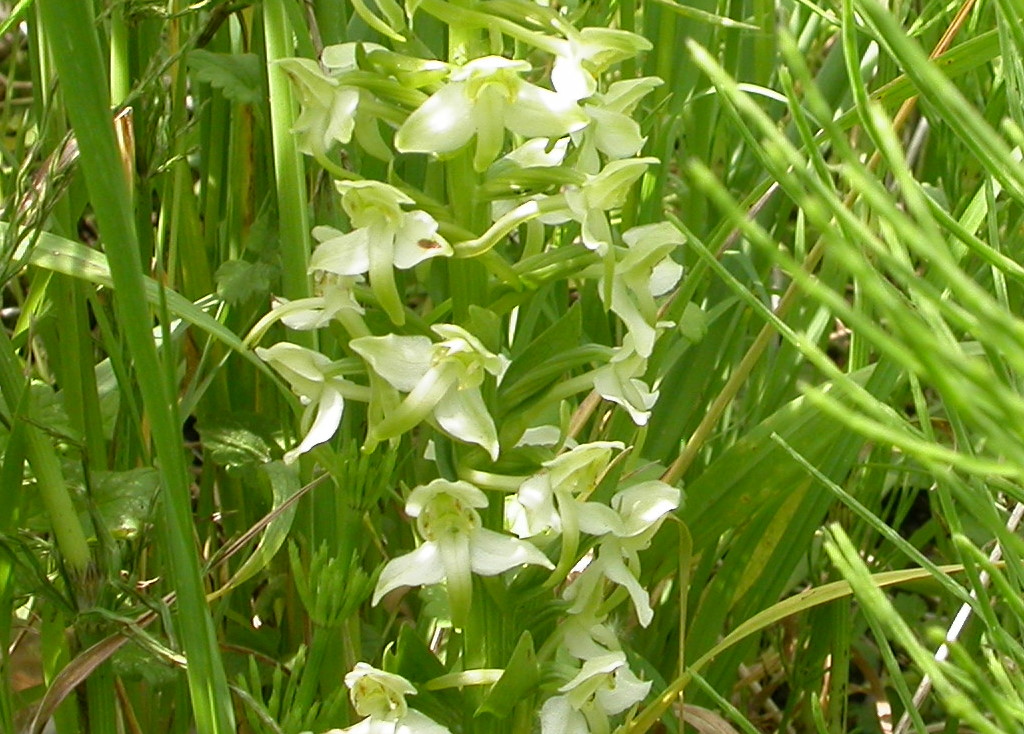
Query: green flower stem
x=72, y=28
x=568, y=555
x=491, y=481
x=506, y=224
x=42, y=457
x=337, y=171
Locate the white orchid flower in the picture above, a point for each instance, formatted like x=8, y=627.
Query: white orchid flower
x=380, y=697
x=384, y=236
x=308, y=373
x=590, y=202
x=626, y=527
x=646, y=270
x=612, y=563
x=442, y=380
x=620, y=381
x=634, y=514
x=484, y=98
x=604, y=687
x=327, y=108
x=587, y=53
x=455, y=546
x=612, y=131
x=333, y=298
x=548, y=499
x=584, y=638
x=332, y=111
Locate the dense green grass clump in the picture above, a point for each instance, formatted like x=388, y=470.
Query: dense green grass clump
x=500, y=366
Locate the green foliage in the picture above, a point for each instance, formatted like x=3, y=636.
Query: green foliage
x=603, y=366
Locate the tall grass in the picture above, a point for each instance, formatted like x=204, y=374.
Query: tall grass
x=780, y=493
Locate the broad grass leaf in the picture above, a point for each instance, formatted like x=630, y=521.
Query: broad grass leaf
x=521, y=675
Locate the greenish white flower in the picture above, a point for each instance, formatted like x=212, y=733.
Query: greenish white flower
x=621, y=382
x=308, y=373
x=590, y=202
x=604, y=687
x=442, y=380
x=644, y=271
x=380, y=697
x=455, y=545
x=484, y=98
x=626, y=528
x=384, y=236
x=327, y=108
x=586, y=54
x=548, y=499
x=612, y=131
x=333, y=296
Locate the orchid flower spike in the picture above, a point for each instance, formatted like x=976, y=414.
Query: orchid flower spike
x=455, y=546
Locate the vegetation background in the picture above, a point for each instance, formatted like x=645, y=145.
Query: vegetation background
x=840, y=396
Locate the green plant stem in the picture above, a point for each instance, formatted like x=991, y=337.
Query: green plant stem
x=289, y=168
x=42, y=457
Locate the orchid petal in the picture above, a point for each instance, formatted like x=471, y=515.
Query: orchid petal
x=615, y=134
x=535, y=505
x=303, y=368
x=400, y=360
x=442, y=124
x=416, y=723
x=615, y=570
x=455, y=554
x=492, y=553
x=328, y=417
x=341, y=254
x=628, y=690
x=623, y=96
x=417, y=240
x=568, y=77
x=463, y=491
x=557, y=716
x=644, y=505
x=462, y=413
x=541, y=113
x=598, y=519
x=489, y=120
x=421, y=567
x=665, y=276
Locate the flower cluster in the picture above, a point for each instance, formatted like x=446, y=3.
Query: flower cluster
x=552, y=162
